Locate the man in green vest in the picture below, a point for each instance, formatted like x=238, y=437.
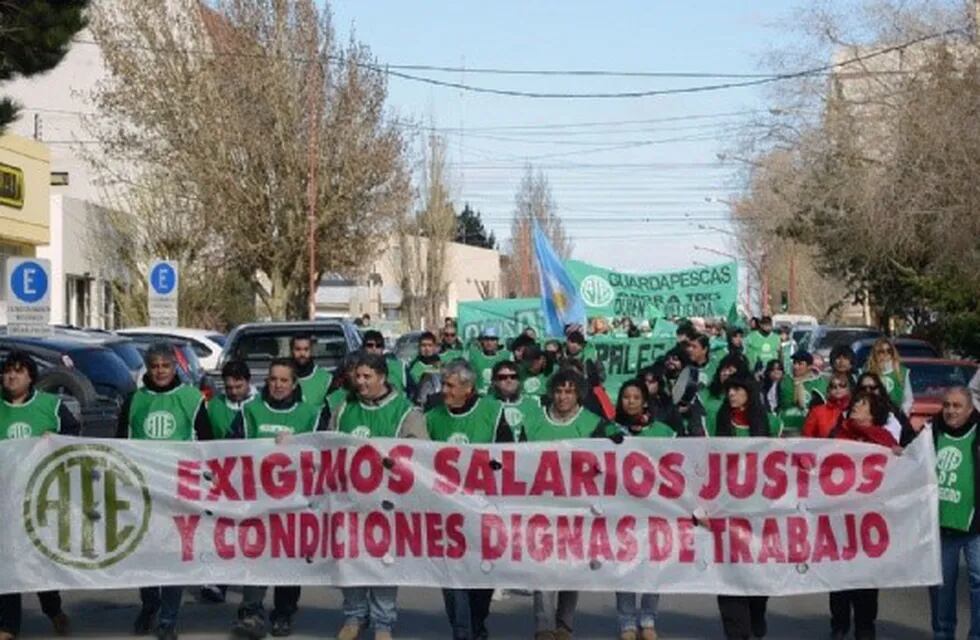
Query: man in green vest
x=222, y=411
x=428, y=361
x=378, y=410
x=26, y=412
x=955, y=435
x=534, y=371
x=507, y=389
x=762, y=345
x=314, y=380
x=798, y=391
x=450, y=346
x=277, y=412
x=163, y=409
x=483, y=358
x=398, y=376
x=564, y=418
x=465, y=417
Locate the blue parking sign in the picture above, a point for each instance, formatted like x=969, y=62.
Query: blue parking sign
x=163, y=278
x=29, y=282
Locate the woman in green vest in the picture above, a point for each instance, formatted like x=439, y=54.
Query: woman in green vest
x=564, y=418
x=886, y=364
x=277, y=412
x=633, y=421
x=377, y=410
x=465, y=417
x=26, y=412
x=743, y=414
x=162, y=409
x=712, y=396
x=798, y=392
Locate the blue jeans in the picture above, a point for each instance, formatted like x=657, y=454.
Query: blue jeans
x=371, y=604
x=467, y=610
x=626, y=610
x=166, y=600
x=942, y=598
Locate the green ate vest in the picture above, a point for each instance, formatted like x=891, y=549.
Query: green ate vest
x=222, y=412
x=895, y=384
x=34, y=418
x=711, y=405
x=534, y=385
x=955, y=470
x=476, y=426
x=382, y=420
x=314, y=386
x=655, y=429
x=419, y=369
x=397, y=376
x=262, y=421
x=483, y=365
x=775, y=427
x=540, y=427
x=760, y=348
x=516, y=413
x=337, y=398
x=168, y=415
x=791, y=414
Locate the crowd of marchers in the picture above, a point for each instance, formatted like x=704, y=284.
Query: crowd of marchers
x=715, y=382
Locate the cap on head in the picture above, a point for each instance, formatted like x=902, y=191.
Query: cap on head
x=489, y=333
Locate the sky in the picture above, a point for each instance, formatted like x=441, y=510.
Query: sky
x=633, y=178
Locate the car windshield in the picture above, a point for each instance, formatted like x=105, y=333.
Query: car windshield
x=259, y=347
x=129, y=353
x=108, y=373
x=933, y=378
x=836, y=337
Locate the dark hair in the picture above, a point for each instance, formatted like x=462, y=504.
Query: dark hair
x=427, y=335
x=568, y=376
x=18, y=359
x=374, y=361
x=284, y=362
x=765, y=320
x=373, y=335
x=679, y=353
x=715, y=387
x=879, y=406
x=874, y=377
x=736, y=331
x=504, y=364
x=308, y=337
x=236, y=369
x=702, y=340
x=621, y=416
x=755, y=409
x=521, y=341
x=842, y=350
x=531, y=353
x=767, y=382
x=575, y=336
x=571, y=364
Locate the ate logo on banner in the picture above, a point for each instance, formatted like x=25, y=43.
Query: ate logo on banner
x=86, y=506
x=596, y=291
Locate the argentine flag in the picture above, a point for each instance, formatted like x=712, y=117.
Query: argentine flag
x=560, y=299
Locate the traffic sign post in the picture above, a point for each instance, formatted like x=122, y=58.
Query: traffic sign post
x=28, y=292
x=164, y=283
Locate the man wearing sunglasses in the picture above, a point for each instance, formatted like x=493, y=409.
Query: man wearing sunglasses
x=486, y=356
x=507, y=388
x=450, y=347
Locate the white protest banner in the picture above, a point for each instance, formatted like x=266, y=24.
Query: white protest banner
x=773, y=516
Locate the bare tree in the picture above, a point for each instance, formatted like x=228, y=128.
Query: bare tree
x=218, y=106
x=424, y=241
x=533, y=202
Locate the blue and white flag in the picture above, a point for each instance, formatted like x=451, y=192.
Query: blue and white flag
x=560, y=299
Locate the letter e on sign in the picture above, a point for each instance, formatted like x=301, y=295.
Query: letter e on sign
x=28, y=297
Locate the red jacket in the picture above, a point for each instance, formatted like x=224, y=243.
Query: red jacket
x=874, y=434
x=822, y=418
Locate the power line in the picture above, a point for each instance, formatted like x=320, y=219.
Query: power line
x=392, y=70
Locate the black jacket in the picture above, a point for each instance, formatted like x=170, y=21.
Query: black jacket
x=973, y=422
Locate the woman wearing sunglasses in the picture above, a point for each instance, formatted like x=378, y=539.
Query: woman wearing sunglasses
x=898, y=423
x=885, y=363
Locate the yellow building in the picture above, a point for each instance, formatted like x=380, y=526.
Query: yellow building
x=25, y=187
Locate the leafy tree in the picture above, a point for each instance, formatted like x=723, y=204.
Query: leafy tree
x=34, y=36
x=470, y=229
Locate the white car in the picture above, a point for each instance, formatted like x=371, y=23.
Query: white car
x=207, y=344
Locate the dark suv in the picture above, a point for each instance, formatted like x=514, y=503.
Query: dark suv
x=258, y=343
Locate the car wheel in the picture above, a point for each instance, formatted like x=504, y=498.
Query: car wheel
x=66, y=383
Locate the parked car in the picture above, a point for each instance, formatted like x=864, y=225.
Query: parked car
x=258, y=343
x=123, y=347
x=90, y=378
x=823, y=338
x=931, y=378
x=407, y=346
x=906, y=347
x=207, y=344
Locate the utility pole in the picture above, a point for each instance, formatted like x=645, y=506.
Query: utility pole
x=314, y=89
x=792, y=278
